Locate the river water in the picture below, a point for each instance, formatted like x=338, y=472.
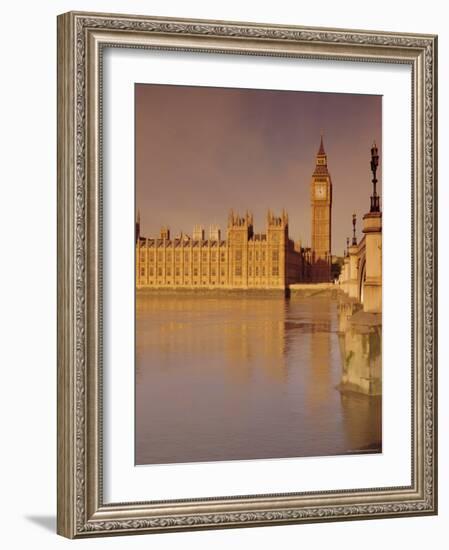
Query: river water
x=244, y=377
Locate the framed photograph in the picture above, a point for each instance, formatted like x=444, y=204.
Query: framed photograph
x=246, y=274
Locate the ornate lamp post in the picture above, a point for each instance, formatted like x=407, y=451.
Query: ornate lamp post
x=354, y=221
x=375, y=204
x=372, y=228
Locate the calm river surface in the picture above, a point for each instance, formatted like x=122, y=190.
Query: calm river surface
x=241, y=377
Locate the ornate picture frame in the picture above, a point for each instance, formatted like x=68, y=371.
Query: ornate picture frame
x=82, y=38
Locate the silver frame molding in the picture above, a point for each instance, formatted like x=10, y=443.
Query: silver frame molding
x=81, y=39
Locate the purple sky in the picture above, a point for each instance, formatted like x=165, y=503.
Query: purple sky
x=201, y=151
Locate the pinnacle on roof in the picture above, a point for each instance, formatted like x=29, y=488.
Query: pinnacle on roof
x=321, y=151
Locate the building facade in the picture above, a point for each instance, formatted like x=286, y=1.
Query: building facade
x=242, y=260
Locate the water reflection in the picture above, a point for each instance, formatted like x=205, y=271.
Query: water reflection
x=241, y=377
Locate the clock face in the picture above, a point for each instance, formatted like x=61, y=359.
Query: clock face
x=320, y=191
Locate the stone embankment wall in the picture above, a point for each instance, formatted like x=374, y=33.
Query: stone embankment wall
x=360, y=335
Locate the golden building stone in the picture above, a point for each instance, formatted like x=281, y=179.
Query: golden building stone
x=243, y=260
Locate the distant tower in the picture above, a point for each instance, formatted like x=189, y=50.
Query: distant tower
x=321, y=202
x=240, y=230
x=277, y=237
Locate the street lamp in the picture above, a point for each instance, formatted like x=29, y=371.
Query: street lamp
x=375, y=204
x=354, y=221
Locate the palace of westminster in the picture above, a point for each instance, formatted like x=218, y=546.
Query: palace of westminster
x=242, y=259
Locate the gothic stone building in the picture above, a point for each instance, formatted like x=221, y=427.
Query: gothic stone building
x=244, y=259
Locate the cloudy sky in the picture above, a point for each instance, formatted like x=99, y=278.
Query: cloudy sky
x=201, y=151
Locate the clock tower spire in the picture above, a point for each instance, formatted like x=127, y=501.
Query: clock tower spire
x=321, y=203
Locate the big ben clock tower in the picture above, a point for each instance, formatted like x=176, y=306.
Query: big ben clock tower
x=321, y=202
